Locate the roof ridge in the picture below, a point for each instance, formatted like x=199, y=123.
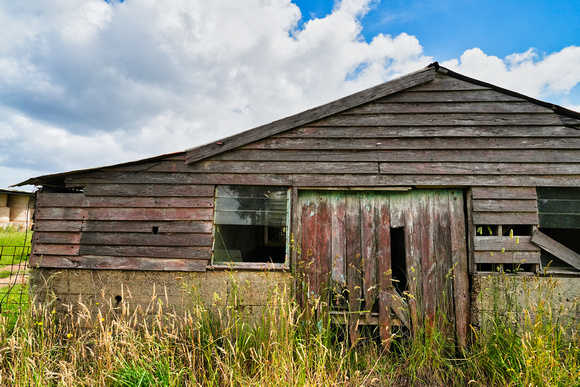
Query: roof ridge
x=556, y=108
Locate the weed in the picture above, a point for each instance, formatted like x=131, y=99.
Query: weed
x=216, y=345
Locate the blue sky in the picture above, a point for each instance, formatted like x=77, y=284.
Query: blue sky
x=446, y=28
x=85, y=83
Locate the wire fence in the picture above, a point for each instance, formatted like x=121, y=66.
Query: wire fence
x=13, y=278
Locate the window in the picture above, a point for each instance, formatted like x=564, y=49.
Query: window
x=559, y=218
x=250, y=224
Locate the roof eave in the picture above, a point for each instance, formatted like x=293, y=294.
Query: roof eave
x=58, y=179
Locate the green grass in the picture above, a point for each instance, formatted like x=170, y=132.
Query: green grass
x=14, y=245
x=13, y=303
x=217, y=347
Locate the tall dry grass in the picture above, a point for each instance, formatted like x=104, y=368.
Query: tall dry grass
x=218, y=346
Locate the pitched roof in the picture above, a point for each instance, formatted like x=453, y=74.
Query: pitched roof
x=427, y=74
x=419, y=77
x=57, y=179
x=569, y=117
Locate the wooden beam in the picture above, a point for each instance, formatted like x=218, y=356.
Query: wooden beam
x=504, y=193
x=460, y=267
x=184, y=179
x=414, y=143
x=478, y=168
x=400, y=307
x=144, y=190
x=500, y=205
x=515, y=257
x=505, y=218
x=404, y=155
x=446, y=107
x=405, y=131
x=450, y=96
x=556, y=248
x=121, y=263
x=505, y=243
x=459, y=119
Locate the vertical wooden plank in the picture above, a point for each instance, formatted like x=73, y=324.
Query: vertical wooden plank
x=444, y=289
x=338, y=249
x=428, y=222
x=312, y=248
x=384, y=267
x=308, y=241
x=460, y=267
x=322, y=252
x=396, y=212
x=353, y=260
x=295, y=237
x=470, y=233
x=301, y=251
x=413, y=259
x=368, y=247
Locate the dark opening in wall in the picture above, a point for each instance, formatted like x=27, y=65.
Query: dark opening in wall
x=559, y=218
x=495, y=261
x=517, y=229
x=398, y=259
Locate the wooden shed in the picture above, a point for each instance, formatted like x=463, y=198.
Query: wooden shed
x=413, y=187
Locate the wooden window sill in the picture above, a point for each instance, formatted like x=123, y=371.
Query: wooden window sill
x=250, y=266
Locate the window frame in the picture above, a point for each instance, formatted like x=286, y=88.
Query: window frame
x=554, y=219
x=257, y=265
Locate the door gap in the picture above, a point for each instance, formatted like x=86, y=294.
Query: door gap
x=398, y=259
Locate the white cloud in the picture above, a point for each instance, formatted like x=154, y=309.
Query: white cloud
x=86, y=22
x=530, y=73
x=87, y=83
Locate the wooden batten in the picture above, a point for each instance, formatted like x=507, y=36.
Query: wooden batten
x=557, y=249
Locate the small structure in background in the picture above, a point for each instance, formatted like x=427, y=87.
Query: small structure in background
x=16, y=209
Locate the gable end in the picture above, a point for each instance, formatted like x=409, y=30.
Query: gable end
x=276, y=127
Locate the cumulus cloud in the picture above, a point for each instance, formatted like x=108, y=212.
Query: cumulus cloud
x=538, y=75
x=93, y=82
x=87, y=83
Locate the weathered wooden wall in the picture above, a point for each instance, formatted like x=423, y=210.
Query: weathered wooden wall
x=345, y=247
x=125, y=226
x=443, y=133
x=503, y=220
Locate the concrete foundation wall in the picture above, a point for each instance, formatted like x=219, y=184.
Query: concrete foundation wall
x=512, y=297
x=248, y=291
x=517, y=298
